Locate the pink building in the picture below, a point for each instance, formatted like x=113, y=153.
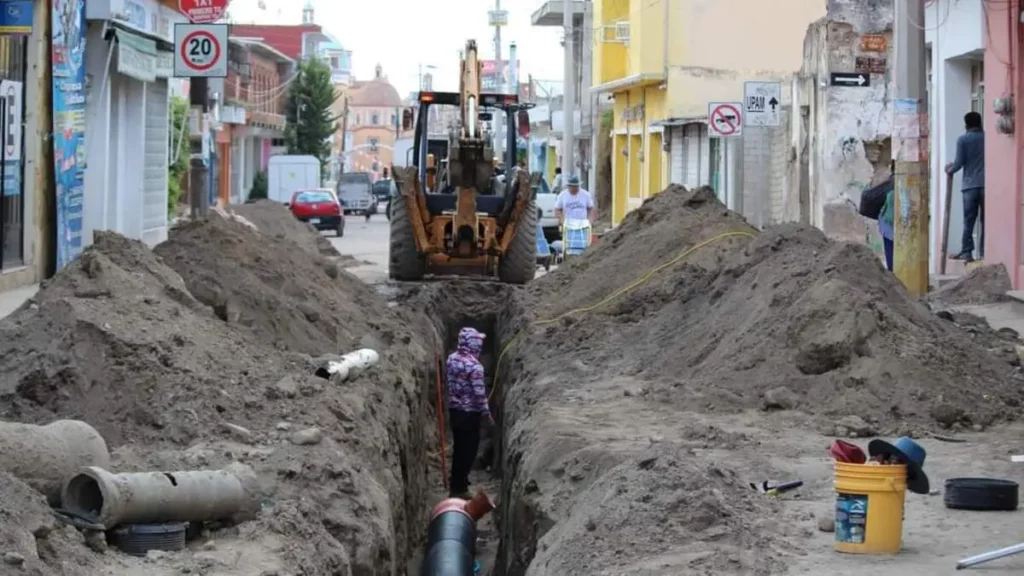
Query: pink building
x=1004, y=158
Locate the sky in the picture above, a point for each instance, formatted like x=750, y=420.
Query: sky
x=402, y=35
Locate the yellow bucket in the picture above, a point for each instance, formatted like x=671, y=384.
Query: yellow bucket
x=869, y=508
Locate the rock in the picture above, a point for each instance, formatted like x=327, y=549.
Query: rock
x=237, y=432
x=856, y=427
x=1020, y=353
x=827, y=523
x=309, y=311
x=286, y=387
x=157, y=554
x=307, y=437
x=96, y=540
x=780, y=398
x=284, y=426
x=946, y=414
x=209, y=545
x=13, y=559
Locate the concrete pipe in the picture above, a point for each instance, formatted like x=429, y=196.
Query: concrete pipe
x=155, y=497
x=45, y=456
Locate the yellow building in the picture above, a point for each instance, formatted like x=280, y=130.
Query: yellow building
x=663, y=61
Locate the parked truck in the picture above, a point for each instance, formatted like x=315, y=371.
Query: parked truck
x=287, y=174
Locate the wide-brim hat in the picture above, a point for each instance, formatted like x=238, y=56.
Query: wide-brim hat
x=574, y=181
x=907, y=452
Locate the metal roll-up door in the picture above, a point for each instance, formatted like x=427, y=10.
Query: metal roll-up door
x=676, y=155
x=154, y=192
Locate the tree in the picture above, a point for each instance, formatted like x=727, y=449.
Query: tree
x=259, y=186
x=179, y=152
x=310, y=123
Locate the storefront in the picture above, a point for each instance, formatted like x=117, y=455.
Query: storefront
x=13, y=213
x=129, y=59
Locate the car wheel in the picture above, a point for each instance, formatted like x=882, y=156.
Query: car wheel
x=368, y=216
x=340, y=231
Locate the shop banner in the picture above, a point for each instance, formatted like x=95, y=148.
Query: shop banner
x=68, y=43
x=16, y=17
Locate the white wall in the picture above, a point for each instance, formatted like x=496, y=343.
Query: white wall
x=955, y=31
x=99, y=131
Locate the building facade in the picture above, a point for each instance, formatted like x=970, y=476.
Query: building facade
x=27, y=252
x=252, y=116
x=128, y=62
x=1004, y=147
x=374, y=122
x=955, y=33
x=663, y=67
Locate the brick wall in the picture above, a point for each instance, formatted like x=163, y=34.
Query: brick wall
x=764, y=163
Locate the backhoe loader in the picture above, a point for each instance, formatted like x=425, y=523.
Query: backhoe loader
x=453, y=215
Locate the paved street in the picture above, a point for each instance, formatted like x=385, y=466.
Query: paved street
x=367, y=242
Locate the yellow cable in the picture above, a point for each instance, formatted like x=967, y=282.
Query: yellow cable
x=614, y=295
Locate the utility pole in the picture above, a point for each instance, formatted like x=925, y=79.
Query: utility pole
x=344, y=133
x=499, y=131
x=910, y=140
x=199, y=172
x=568, y=96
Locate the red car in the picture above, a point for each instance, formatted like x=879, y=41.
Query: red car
x=320, y=208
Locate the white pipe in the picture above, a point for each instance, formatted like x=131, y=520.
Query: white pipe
x=471, y=112
x=352, y=364
x=103, y=91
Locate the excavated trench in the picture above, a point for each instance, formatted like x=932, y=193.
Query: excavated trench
x=496, y=310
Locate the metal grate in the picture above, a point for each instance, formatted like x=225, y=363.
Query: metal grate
x=12, y=204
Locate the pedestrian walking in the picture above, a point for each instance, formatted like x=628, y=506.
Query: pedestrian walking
x=885, y=222
x=468, y=408
x=556, y=184
x=970, y=157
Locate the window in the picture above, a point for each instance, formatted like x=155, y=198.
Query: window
x=978, y=87
x=374, y=143
x=375, y=119
x=12, y=203
x=334, y=63
x=394, y=119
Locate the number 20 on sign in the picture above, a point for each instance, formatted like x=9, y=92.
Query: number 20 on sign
x=200, y=50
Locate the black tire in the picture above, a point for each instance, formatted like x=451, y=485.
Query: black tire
x=340, y=230
x=980, y=494
x=405, y=263
x=519, y=265
x=368, y=216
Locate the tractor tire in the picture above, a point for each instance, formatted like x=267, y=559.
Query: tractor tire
x=405, y=263
x=519, y=264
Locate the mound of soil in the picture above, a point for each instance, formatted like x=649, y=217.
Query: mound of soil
x=684, y=338
x=816, y=321
x=277, y=222
x=117, y=339
x=292, y=300
x=981, y=285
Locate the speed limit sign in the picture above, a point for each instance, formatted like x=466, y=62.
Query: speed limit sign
x=200, y=50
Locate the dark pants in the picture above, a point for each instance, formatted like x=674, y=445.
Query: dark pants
x=974, y=206
x=888, y=245
x=466, y=435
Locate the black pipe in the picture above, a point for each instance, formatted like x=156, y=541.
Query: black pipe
x=451, y=545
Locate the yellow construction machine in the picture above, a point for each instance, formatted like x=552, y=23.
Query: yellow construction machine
x=454, y=212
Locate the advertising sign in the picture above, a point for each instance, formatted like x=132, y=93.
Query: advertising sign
x=68, y=55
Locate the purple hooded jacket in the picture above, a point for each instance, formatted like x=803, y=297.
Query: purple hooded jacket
x=466, y=389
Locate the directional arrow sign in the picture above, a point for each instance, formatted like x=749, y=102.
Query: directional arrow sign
x=850, y=79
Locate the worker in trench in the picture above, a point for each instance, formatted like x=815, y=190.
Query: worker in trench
x=468, y=408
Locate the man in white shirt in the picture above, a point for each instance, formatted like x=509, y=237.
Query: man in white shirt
x=574, y=203
x=556, y=184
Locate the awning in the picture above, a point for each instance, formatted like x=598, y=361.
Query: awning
x=136, y=55
x=634, y=81
x=680, y=121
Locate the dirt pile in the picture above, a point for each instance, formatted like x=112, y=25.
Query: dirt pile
x=117, y=339
x=786, y=320
x=981, y=285
x=275, y=221
x=291, y=300
x=709, y=338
